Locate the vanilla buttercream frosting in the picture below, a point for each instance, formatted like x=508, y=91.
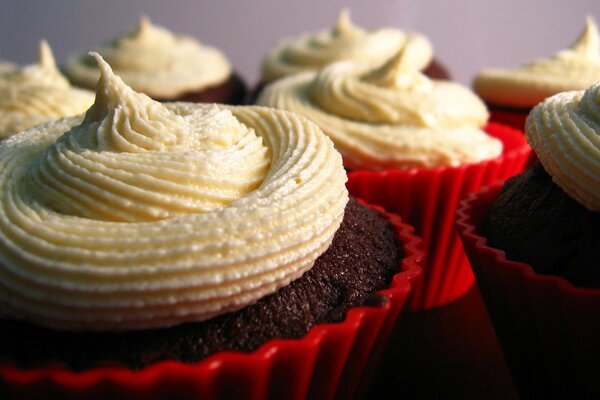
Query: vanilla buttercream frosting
x=155, y=61
x=6, y=66
x=37, y=93
x=575, y=68
x=564, y=132
x=389, y=117
x=141, y=215
x=345, y=41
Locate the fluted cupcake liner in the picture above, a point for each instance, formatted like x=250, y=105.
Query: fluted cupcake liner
x=549, y=329
x=327, y=362
x=427, y=199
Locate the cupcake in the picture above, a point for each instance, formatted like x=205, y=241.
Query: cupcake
x=164, y=66
x=413, y=145
x=6, y=66
x=37, y=93
x=534, y=245
x=512, y=93
x=346, y=41
x=190, y=249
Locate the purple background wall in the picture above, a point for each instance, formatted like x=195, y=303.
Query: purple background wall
x=467, y=35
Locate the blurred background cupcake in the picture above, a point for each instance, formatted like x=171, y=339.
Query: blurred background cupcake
x=411, y=144
x=6, y=66
x=163, y=65
x=534, y=244
x=189, y=255
x=37, y=93
x=512, y=93
x=346, y=41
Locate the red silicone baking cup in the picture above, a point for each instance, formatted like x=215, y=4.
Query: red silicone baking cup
x=427, y=199
x=549, y=329
x=327, y=362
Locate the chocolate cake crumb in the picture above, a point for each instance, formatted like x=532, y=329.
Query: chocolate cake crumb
x=534, y=221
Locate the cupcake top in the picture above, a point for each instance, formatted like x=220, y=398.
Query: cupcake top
x=345, y=41
x=389, y=117
x=37, y=93
x=140, y=214
x=156, y=62
x=564, y=132
x=6, y=66
x=575, y=68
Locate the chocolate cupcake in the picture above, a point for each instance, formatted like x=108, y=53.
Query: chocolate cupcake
x=156, y=235
x=163, y=65
x=512, y=93
x=37, y=93
x=412, y=144
x=346, y=41
x=534, y=246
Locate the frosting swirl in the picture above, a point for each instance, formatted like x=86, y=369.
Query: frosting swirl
x=389, y=117
x=156, y=62
x=141, y=215
x=344, y=42
x=37, y=93
x=575, y=68
x=564, y=132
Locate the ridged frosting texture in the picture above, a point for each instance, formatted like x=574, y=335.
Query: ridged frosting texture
x=564, y=132
x=345, y=41
x=575, y=68
x=37, y=93
x=142, y=215
x=389, y=117
x=154, y=61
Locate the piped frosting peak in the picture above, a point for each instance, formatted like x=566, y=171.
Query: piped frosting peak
x=37, y=93
x=391, y=116
x=344, y=42
x=155, y=61
x=575, y=68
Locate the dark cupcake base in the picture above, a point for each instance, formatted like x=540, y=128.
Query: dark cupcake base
x=363, y=257
x=437, y=70
x=536, y=222
x=232, y=91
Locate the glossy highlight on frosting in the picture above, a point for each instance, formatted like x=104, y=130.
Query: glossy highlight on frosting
x=575, y=68
x=392, y=116
x=564, y=132
x=37, y=93
x=142, y=215
x=154, y=61
x=345, y=41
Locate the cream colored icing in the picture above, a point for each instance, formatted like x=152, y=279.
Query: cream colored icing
x=564, y=132
x=156, y=62
x=6, y=67
x=37, y=93
x=141, y=215
x=389, y=117
x=575, y=68
x=345, y=41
